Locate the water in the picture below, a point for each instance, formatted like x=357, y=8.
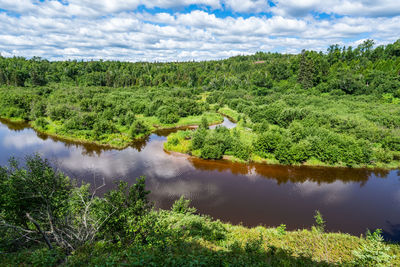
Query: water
x=351, y=200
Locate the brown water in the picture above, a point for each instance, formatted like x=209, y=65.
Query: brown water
x=351, y=200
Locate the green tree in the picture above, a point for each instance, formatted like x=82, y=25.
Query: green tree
x=137, y=128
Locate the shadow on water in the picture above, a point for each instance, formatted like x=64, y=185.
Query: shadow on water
x=392, y=232
x=14, y=126
x=293, y=174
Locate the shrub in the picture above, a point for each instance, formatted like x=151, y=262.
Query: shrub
x=102, y=126
x=38, y=109
x=300, y=152
x=41, y=205
x=267, y=142
x=41, y=123
x=182, y=206
x=216, y=143
x=138, y=127
x=204, y=123
x=126, y=207
x=283, y=153
x=240, y=150
x=174, y=141
x=167, y=114
x=319, y=221
x=35, y=195
x=281, y=229
x=373, y=252
x=382, y=155
x=127, y=119
x=60, y=112
x=209, y=151
x=198, y=139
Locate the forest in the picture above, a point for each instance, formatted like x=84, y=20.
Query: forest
x=334, y=108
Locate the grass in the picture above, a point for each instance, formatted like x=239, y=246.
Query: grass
x=55, y=129
x=178, y=142
x=212, y=118
x=195, y=240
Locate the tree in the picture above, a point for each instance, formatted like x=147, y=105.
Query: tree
x=42, y=205
x=306, y=70
x=137, y=128
x=204, y=123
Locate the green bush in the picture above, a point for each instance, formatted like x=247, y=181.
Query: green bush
x=267, y=142
x=283, y=152
x=210, y=151
x=241, y=150
x=182, y=206
x=138, y=127
x=101, y=127
x=198, y=139
x=167, y=115
x=373, y=252
x=319, y=221
x=41, y=123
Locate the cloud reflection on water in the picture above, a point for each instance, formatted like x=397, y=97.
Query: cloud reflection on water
x=249, y=193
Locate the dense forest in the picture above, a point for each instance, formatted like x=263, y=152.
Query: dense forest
x=339, y=108
x=47, y=219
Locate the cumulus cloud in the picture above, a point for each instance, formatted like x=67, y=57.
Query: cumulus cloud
x=255, y=6
x=134, y=30
x=362, y=8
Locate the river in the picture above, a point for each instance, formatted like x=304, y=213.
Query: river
x=351, y=200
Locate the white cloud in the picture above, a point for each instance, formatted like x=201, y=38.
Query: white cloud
x=371, y=8
x=246, y=6
x=334, y=193
x=112, y=30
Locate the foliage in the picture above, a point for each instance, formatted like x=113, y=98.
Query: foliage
x=198, y=139
x=137, y=128
x=42, y=205
x=374, y=252
x=124, y=209
x=182, y=206
x=240, y=150
x=281, y=229
x=319, y=221
x=216, y=143
x=204, y=123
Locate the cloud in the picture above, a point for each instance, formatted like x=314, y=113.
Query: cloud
x=120, y=30
x=334, y=193
x=362, y=8
x=246, y=6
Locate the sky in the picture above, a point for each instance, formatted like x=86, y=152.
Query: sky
x=183, y=30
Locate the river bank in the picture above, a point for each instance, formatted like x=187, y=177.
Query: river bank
x=115, y=140
x=181, y=142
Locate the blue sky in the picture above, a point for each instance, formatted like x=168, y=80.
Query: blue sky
x=180, y=30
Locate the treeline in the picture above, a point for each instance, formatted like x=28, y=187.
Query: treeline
x=334, y=108
x=360, y=70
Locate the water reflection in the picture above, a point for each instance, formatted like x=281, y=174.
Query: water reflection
x=292, y=174
x=351, y=200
